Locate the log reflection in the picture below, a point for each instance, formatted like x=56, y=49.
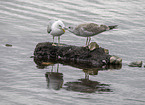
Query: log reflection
x=55, y=79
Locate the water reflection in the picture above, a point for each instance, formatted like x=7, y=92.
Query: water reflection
x=87, y=86
x=55, y=79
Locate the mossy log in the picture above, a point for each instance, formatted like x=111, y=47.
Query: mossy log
x=47, y=52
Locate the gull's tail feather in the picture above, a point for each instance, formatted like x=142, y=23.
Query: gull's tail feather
x=112, y=27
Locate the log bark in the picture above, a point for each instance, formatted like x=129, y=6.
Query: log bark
x=46, y=52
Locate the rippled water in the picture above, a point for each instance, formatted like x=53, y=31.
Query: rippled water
x=23, y=24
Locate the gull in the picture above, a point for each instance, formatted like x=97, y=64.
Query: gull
x=88, y=30
x=56, y=28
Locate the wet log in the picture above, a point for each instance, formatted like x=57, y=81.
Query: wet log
x=88, y=56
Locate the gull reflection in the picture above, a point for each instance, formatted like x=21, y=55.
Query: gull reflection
x=54, y=79
x=86, y=85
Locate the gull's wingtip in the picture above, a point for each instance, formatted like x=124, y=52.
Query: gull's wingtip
x=112, y=27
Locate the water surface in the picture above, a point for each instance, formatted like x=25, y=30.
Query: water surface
x=23, y=24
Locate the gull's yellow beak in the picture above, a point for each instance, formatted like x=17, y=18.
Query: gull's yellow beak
x=63, y=29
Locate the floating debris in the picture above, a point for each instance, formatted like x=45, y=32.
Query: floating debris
x=8, y=45
x=136, y=64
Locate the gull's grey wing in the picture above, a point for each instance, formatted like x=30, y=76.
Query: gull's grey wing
x=49, y=25
x=91, y=29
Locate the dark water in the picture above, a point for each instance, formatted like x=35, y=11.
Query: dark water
x=23, y=24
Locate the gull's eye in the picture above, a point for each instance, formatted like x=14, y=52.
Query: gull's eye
x=60, y=26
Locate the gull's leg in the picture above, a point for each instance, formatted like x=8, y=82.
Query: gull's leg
x=58, y=40
x=87, y=41
x=87, y=76
x=52, y=69
x=53, y=42
x=57, y=67
x=53, y=39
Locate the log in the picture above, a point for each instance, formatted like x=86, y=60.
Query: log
x=85, y=56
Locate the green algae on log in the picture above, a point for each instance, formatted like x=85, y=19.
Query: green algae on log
x=45, y=52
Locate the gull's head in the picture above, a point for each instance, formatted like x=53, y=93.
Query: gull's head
x=70, y=28
x=59, y=24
